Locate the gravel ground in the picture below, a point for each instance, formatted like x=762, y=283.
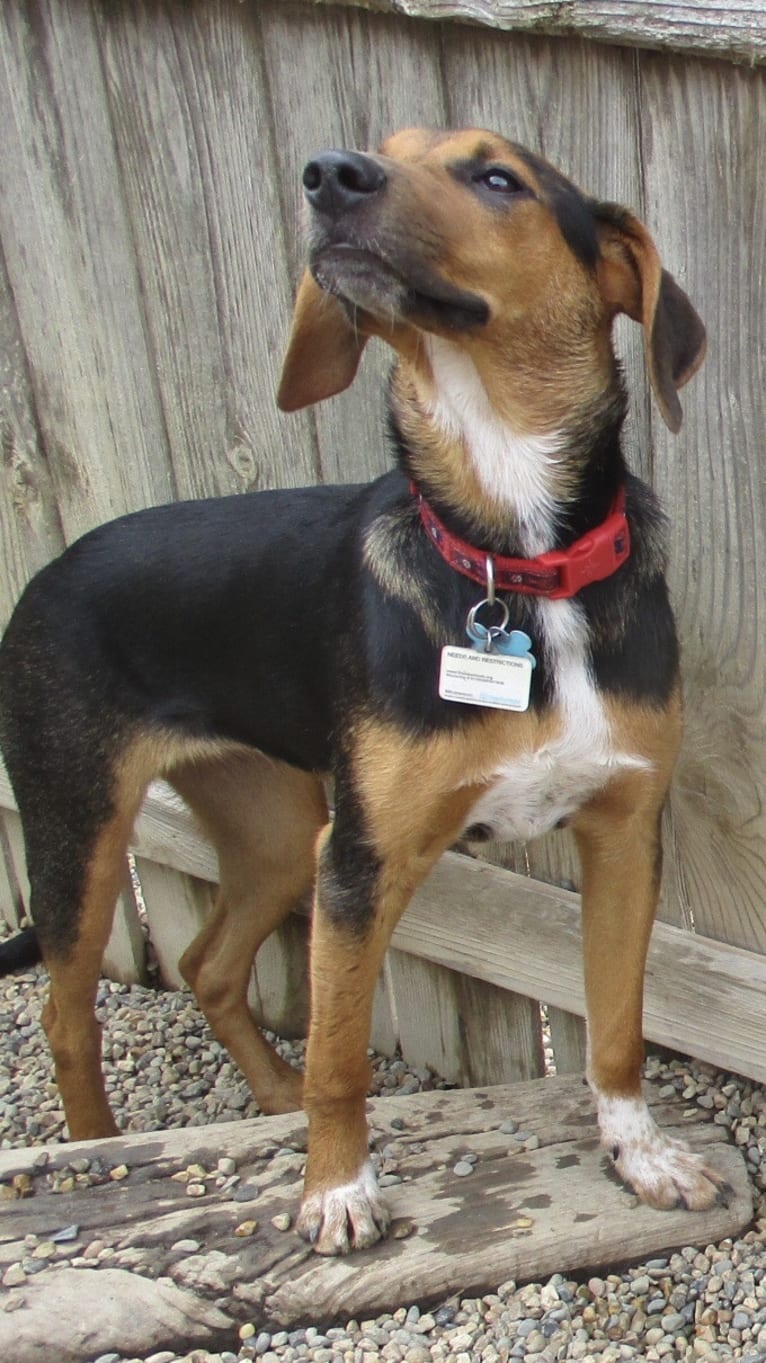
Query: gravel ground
x=165, y=1069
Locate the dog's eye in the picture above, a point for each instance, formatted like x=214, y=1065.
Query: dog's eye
x=500, y=181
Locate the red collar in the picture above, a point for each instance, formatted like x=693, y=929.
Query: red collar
x=557, y=574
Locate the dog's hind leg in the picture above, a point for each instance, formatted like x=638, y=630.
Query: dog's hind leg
x=74, y=965
x=263, y=818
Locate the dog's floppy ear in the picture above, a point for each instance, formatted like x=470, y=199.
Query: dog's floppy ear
x=323, y=350
x=632, y=280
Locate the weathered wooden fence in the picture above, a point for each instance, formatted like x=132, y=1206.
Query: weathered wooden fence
x=149, y=244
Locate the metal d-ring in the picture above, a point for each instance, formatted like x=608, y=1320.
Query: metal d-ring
x=490, y=571
x=473, y=626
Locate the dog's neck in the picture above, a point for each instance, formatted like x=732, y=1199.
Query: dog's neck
x=524, y=488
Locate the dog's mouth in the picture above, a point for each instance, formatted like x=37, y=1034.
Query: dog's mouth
x=363, y=279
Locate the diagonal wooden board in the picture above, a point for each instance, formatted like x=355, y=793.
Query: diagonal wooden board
x=521, y=1214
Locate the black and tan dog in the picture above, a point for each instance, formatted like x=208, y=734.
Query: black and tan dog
x=245, y=647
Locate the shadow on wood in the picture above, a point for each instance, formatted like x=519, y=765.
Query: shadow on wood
x=522, y=1213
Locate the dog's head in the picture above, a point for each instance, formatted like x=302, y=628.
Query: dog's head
x=469, y=237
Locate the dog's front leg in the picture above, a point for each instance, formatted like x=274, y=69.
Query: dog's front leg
x=620, y=849
x=342, y=1208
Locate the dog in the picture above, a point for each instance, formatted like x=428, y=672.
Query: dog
x=246, y=647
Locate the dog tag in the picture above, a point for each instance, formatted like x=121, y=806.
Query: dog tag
x=495, y=680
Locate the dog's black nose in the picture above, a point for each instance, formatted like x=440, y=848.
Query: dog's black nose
x=339, y=180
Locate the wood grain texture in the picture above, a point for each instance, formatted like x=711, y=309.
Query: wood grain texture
x=736, y=32
x=568, y=1039
x=712, y=120
x=464, y=1030
x=521, y=1214
x=12, y=906
x=71, y=269
x=125, y=955
x=30, y=531
x=193, y=134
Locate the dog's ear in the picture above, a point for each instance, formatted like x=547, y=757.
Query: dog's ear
x=632, y=280
x=323, y=350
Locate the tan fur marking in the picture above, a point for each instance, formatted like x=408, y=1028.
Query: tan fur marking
x=262, y=817
x=617, y=836
x=68, y=1017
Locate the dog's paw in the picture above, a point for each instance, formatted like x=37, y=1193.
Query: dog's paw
x=662, y=1171
x=669, y=1174
x=351, y=1216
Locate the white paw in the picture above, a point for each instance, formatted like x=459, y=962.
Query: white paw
x=352, y=1216
x=662, y=1171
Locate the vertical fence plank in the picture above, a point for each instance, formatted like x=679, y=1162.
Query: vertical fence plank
x=195, y=141
x=502, y=1033
x=384, y=1032
x=125, y=954
x=176, y=908
x=710, y=118
x=16, y=862
x=12, y=905
x=281, y=972
x=69, y=257
x=568, y=1039
x=30, y=533
x=467, y=1031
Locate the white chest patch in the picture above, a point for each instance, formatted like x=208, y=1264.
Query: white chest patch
x=544, y=785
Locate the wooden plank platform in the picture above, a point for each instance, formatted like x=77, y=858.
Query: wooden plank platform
x=521, y=1214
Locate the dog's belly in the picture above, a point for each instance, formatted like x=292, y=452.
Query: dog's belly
x=538, y=790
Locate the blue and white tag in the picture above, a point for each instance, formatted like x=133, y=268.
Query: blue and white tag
x=494, y=680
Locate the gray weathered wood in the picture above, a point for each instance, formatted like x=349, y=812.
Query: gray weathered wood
x=13, y=887
x=466, y=1031
x=713, y=487
x=11, y=900
x=736, y=32
x=30, y=533
x=521, y=1214
x=568, y=1039
x=125, y=954
x=176, y=908
x=71, y=266
x=194, y=135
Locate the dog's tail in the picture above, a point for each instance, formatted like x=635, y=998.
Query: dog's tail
x=20, y=951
